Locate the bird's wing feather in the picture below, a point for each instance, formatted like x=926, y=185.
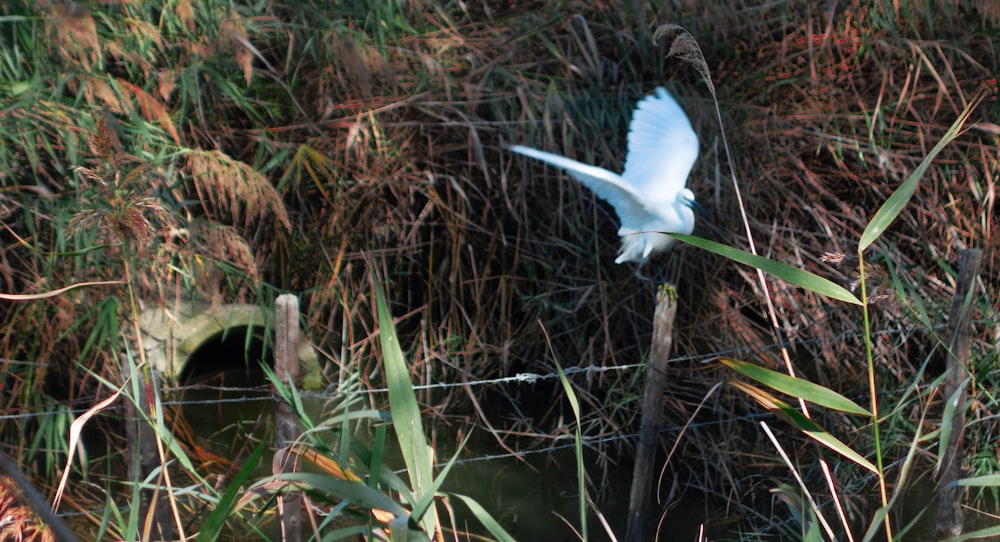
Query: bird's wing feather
x=662, y=148
x=632, y=208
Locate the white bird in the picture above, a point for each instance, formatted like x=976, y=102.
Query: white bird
x=649, y=196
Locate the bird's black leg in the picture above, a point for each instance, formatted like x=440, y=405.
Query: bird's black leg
x=644, y=278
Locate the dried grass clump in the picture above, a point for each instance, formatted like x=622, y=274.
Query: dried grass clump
x=230, y=188
x=831, y=163
x=19, y=522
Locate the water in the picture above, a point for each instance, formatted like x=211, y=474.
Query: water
x=534, y=497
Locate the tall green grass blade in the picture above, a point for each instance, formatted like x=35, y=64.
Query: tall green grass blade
x=378, y=454
x=990, y=480
x=796, y=387
x=807, y=426
x=357, y=493
x=485, y=518
x=875, y=527
x=785, y=272
x=814, y=533
x=581, y=480
x=981, y=534
x=947, y=425
x=890, y=210
x=290, y=394
x=427, y=499
x=399, y=530
x=405, y=412
x=917, y=523
x=216, y=520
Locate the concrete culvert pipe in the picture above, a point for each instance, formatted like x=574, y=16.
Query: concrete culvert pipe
x=190, y=342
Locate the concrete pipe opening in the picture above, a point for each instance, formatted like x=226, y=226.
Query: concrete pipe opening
x=230, y=358
x=190, y=342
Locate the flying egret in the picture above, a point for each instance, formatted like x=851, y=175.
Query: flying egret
x=649, y=196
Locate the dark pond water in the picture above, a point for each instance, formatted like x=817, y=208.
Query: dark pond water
x=534, y=497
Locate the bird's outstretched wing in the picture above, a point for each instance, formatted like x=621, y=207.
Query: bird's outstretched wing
x=662, y=148
x=633, y=209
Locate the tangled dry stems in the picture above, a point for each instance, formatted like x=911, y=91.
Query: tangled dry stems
x=492, y=263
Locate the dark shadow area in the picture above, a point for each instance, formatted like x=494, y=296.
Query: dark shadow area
x=229, y=358
x=225, y=396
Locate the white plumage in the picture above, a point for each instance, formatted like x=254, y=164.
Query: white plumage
x=649, y=196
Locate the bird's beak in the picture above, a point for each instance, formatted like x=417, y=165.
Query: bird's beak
x=696, y=206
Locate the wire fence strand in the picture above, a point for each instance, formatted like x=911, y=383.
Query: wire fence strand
x=263, y=393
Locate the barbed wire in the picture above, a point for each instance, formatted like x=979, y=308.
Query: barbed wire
x=263, y=393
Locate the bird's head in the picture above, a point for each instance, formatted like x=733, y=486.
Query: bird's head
x=686, y=198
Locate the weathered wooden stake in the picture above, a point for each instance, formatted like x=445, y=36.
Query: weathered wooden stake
x=949, y=509
x=143, y=455
x=286, y=368
x=652, y=418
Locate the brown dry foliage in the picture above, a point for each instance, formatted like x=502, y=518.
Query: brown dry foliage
x=232, y=36
x=19, y=522
x=229, y=186
x=482, y=250
x=118, y=95
x=495, y=264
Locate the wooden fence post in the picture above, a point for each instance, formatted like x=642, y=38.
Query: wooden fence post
x=652, y=416
x=286, y=368
x=949, y=509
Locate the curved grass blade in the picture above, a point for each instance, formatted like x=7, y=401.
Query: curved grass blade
x=875, y=526
x=485, y=518
x=785, y=272
x=427, y=500
x=357, y=493
x=796, y=387
x=897, y=201
x=807, y=426
x=578, y=447
x=53, y=293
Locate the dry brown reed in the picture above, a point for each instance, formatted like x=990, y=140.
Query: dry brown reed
x=397, y=177
x=20, y=523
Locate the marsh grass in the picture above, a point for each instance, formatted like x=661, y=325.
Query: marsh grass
x=308, y=147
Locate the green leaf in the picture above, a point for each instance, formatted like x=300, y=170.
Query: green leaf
x=990, y=480
x=578, y=447
x=796, y=387
x=947, y=423
x=357, y=493
x=989, y=532
x=406, y=413
x=813, y=531
x=427, y=500
x=785, y=272
x=875, y=525
x=485, y=518
x=216, y=519
x=897, y=201
x=807, y=426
